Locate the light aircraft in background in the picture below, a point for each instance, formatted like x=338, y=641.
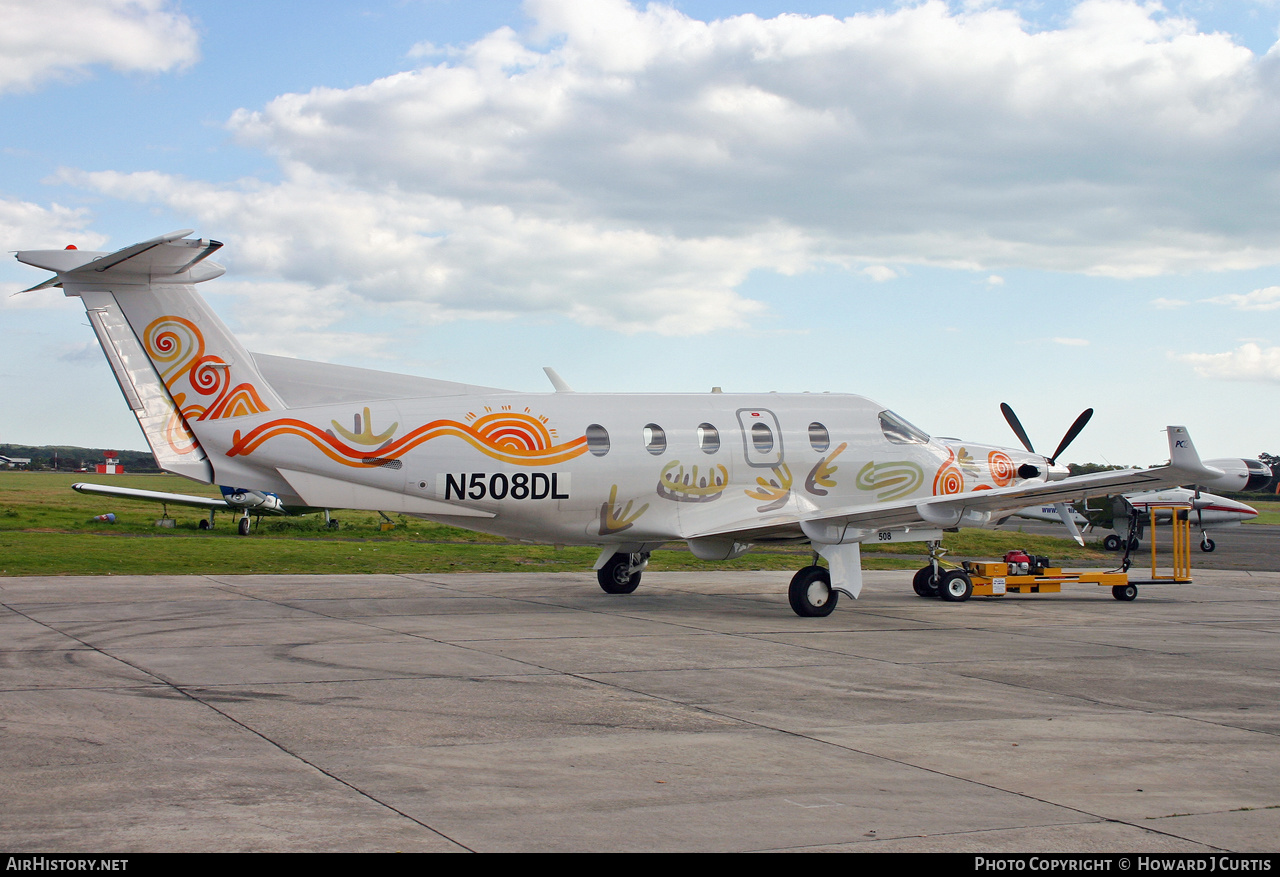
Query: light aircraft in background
x=1119, y=513
x=246, y=502
x=626, y=473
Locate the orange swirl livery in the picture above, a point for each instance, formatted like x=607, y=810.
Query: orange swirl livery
x=176, y=345
x=1002, y=468
x=949, y=479
x=519, y=439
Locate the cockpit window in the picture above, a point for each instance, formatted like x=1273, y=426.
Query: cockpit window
x=899, y=431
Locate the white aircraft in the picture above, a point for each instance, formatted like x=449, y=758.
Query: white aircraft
x=1208, y=511
x=234, y=499
x=628, y=473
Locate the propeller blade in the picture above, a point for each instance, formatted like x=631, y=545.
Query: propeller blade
x=1016, y=426
x=1074, y=431
x=1064, y=512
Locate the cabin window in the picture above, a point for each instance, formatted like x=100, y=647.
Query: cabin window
x=819, y=438
x=655, y=440
x=899, y=431
x=708, y=438
x=597, y=440
x=762, y=437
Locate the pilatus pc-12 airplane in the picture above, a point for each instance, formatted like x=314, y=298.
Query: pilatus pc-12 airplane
x=720, y=472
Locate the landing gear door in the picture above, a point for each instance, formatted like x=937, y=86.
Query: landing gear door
x=761, y=437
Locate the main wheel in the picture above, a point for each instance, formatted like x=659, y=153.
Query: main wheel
x=924, y=584
x=1134, y=544
x=616, y=577
x=956, y=586
x=810, y=593
x=243, y=526
x=1208, y=544
x=1125, y=593
x=204, y=524
x=1112, y=542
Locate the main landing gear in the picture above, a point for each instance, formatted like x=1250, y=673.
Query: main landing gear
x=1115, y=543
x=810, y=594
x=621, y=573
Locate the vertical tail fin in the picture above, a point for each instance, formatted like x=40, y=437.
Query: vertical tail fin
x=175, y=361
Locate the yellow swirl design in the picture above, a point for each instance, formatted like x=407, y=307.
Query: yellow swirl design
x=892, y=480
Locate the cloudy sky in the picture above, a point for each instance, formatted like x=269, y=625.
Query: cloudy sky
x=942, y=206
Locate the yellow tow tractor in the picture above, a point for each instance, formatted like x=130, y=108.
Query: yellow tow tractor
x=1021, y=573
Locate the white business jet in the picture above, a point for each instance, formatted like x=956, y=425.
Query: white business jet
x=627, y=473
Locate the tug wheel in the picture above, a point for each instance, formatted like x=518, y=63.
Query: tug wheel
x=956, y=586
x=1125, y=593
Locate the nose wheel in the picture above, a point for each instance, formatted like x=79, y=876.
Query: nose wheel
x=927, y=583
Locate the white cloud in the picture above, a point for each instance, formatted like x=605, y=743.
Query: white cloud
x=59, y=39
x=925, y=134
x=449, y=260
x=880, y=273
x=1267, y=299
x=1169, y=304
x=630, y=168
x=995, y=280
x=1249, y=362
x=27, y=226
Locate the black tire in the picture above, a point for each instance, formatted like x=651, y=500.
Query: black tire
x=956, y=586
x=810, y=593
x=924, y=585
x=1134, y=544
x=1208, y=545
x=613, y=576
x=1112, y=542
x=332, y=523
x=243, y=527
x=204, y=524
x=1125, y=593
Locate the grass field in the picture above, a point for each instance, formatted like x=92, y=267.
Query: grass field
x=1268, y=512
x=46, y=528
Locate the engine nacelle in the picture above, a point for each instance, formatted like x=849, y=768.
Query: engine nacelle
x=253, y=500
x=1239, y=474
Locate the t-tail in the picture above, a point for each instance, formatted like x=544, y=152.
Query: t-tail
x=175, y=361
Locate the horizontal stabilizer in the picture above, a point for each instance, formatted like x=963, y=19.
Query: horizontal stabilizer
x=168, y=258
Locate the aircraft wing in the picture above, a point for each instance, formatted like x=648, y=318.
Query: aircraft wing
x=974, y=508
x=200, y=502
x=949, y=511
